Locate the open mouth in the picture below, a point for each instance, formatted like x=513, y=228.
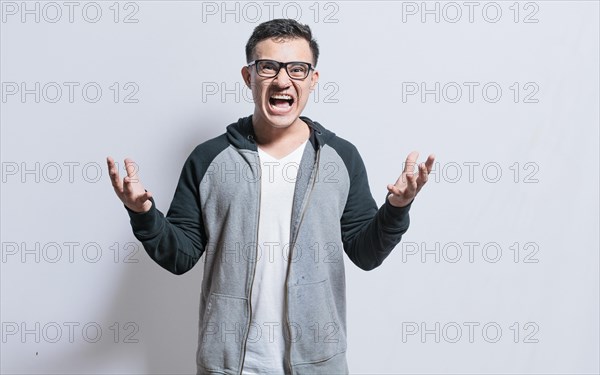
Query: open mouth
x=281, y=101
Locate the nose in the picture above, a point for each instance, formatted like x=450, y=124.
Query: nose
x=282, y=78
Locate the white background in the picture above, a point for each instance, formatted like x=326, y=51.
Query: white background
x=543, y=297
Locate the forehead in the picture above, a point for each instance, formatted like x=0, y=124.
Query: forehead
x=296, y=49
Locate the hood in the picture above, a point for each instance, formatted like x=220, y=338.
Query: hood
x=241, y=133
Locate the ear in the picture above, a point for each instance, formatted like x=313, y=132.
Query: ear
x=246, y=75
x=314, y=79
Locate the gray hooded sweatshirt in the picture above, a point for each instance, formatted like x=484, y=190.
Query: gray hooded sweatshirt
x=215, y=212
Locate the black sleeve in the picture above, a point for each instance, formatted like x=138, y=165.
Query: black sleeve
x=176, y=241
x=369, y=234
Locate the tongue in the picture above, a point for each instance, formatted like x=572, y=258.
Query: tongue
x=280, y=103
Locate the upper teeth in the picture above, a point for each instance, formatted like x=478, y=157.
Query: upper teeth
x=284, y=97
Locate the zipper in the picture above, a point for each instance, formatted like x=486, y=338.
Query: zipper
x=302, y=210
x=253, y=271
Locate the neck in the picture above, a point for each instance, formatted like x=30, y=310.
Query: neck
x=266, y=134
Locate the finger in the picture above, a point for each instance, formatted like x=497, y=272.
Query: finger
x=113, y=172
x=132, y=169
x=144, y=197
x=409, y=164
x=423, y=174
x=127, y=188
x=429, y=162
x=411, y=185
x=130, y=184
x=401, y=181
x=394, y=190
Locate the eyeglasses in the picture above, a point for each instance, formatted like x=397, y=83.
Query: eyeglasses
x=270, y=68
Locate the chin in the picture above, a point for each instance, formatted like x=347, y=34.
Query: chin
x=279, y=119
x=282, y=121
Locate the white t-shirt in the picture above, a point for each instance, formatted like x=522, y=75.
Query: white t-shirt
x=265, y=348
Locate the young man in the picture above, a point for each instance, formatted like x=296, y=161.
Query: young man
x=273, y=204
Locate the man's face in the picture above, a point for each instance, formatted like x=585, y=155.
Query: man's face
x=271, y=105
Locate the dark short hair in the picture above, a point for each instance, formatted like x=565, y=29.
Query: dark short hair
x=281, y=29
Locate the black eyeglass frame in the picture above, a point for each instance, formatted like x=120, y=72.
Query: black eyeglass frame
x=281, y=65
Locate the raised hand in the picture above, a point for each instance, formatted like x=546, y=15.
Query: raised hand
x=130, y=191
x=409, y=184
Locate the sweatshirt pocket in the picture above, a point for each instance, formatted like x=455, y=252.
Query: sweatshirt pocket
x=222, y=334
x=315, y=333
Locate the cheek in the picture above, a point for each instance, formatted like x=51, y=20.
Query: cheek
x=304, y=92
x=258, y=90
